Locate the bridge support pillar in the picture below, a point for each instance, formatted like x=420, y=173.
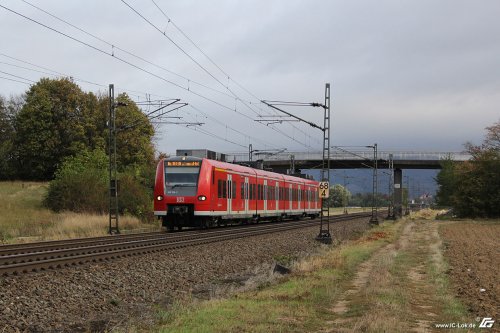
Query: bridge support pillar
x=398, y=193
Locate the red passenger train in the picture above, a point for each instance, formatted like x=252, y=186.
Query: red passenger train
x=198, y=192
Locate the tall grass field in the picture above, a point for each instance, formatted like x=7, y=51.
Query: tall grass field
x=24, y=219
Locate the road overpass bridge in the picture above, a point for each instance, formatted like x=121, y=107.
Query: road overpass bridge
x=294, y=162
x=284, y=162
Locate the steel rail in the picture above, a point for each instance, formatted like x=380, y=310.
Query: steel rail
x=25, y=263
x=11, y=249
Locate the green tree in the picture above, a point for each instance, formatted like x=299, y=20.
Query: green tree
x=7, y=132
x=134, y=135
x=52, y=125
x=339, y=196
x=59, y=120
x=446, y=182
x=473, y=187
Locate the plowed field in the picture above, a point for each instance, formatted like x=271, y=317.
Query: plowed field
x=473, y=251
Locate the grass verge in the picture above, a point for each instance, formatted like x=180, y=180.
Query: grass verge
x=23, y=217
x=299, y=304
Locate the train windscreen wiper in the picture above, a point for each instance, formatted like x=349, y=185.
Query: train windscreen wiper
x=183, y=185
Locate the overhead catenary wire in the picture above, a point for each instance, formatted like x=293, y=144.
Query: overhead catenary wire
x=132, y=92
x=48, y=70
x=99, y=50
x=54, y=73
x=149, y=62
x=219, y=67
x=14, y=80
x=115, y=47
x=196, y=62
x=17, y=77
x=123, y=60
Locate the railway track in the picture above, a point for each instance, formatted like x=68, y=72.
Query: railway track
x=20, y=259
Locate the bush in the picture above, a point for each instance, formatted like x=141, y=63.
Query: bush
x=133, y=197
x=81, y=185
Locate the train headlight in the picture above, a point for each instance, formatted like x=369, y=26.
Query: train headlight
x=159, y=198
x=202, y=198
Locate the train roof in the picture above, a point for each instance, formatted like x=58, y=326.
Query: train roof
x=243, y=169
x=258, y=172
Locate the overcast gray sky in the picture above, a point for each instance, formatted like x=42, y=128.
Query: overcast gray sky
x=409, y=75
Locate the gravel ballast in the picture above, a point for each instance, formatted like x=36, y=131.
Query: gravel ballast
x=98, y=297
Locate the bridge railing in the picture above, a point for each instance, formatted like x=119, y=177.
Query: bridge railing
x=354, y=155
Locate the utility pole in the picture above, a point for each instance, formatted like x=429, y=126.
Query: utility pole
x=292, y=164
x=158, y=114
x=324, y=234
x=374, y=217
x=113, y=182
x=390, y=213
x=407, y=209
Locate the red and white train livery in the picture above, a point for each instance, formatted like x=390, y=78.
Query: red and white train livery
x=198, y=192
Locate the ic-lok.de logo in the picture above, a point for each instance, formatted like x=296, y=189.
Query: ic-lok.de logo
x=487, y=323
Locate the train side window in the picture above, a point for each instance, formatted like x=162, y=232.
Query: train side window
x=219, y=188
x=233, y=189
x=242, y=190
x=224, y=189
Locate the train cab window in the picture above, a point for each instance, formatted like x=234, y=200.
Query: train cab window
x=219, y=188
x=181, y=176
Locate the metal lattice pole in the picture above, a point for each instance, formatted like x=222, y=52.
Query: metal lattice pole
x=113, y=184
x=391, y=214
x=374, y=217
x=324, y=234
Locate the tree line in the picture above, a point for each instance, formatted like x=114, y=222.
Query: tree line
x=57, y=132
x=472, y=188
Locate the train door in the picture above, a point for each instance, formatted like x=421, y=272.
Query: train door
x=299, y=194
x=245, y=194
x=229, y=193
x=265, y=196
x=309, y=198
x=277, y=196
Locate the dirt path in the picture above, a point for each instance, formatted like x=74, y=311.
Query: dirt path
x=399, y=289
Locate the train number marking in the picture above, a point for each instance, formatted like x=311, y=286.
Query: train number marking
x=180, y=199
x=324, y=190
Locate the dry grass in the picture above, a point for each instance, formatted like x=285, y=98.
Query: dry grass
x=299, y=304
x=23, y=217
x=72, y=225
x=350, y=210
x=426, y=214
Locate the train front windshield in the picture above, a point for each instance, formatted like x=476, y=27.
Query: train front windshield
x=181, y=176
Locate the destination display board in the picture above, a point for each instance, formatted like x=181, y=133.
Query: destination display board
x=183, y=163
